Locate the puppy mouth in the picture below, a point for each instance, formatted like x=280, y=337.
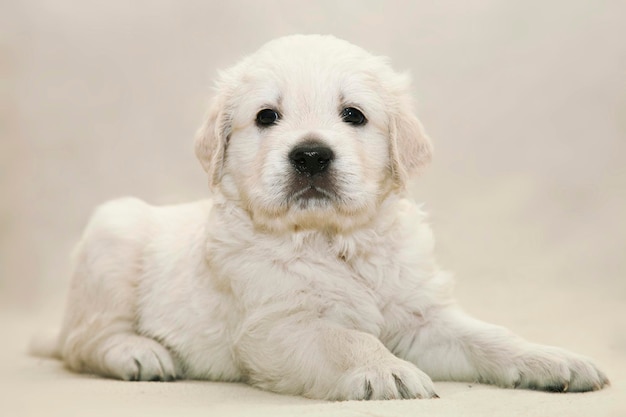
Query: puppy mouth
x=312, y=192
x=306, y=190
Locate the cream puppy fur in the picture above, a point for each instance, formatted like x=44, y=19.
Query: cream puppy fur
x=310, y=272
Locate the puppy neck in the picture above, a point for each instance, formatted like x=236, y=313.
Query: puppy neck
x=345, y=242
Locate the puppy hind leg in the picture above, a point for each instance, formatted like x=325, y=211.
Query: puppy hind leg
x=100, y=338
x=99, y=332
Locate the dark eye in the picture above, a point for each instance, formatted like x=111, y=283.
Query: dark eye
x=267, y=117
x=353, y=116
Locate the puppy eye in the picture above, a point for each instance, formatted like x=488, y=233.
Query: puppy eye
x=267, y=117
x=353, y=116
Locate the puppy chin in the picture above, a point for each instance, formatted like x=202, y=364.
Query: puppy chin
x=313, y=213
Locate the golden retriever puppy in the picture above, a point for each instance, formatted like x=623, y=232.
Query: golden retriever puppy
x=310, y=272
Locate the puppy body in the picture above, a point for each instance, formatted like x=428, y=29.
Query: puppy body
x=317, y=281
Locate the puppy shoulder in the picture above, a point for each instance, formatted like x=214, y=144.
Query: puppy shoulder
x=413, y=228
x=402, y=215
x=408, y=209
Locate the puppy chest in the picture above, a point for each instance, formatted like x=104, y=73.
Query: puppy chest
x=317, y=283
x=182, y=309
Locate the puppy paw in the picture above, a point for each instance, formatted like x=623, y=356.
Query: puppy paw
x=392, y=379
x=136, y=358
x=551, y=369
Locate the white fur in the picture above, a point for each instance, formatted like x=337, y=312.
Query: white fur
x=335, y=298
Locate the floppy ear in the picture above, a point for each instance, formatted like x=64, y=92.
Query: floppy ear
x=411, y=149
x=211, y=140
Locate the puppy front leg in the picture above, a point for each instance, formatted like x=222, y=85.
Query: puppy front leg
x=321, y=360
x=454, y=346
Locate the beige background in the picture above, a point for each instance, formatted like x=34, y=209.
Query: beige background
x=526, y=104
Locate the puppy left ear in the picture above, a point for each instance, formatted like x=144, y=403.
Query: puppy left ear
x=411, y=148
x=211, y=139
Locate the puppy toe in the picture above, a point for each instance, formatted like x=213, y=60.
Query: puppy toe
x=556, y=370
x=137, y=358
x=394, y=380
x=585, y=375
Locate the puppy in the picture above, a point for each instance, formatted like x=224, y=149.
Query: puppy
x=309, y=272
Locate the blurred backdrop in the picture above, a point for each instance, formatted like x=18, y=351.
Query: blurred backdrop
x=525, y=102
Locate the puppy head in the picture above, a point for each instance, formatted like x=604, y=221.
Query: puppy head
x=311, y=132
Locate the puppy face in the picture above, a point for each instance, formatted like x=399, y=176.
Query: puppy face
x=311, y=132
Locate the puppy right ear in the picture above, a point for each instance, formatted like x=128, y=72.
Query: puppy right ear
x=212, y=138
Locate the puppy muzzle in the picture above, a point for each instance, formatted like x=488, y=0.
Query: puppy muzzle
x=312, y=176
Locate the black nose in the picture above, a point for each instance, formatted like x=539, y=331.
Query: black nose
x=311, y=158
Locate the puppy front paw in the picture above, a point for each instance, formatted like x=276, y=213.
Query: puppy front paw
x=546, y=368
x=391, y=379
